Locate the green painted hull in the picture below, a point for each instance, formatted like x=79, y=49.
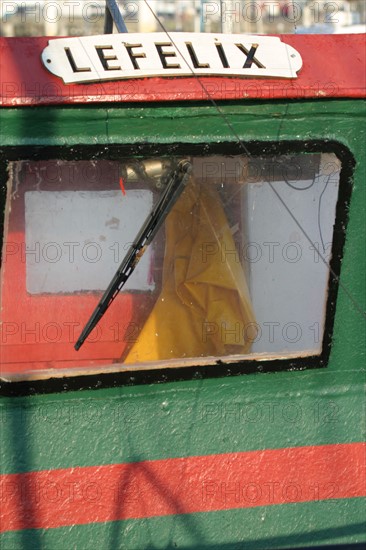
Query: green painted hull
x=203, y=417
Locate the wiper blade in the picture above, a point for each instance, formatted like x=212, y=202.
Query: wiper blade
x=175, y=185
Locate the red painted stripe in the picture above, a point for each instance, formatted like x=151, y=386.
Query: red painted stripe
x=25, y=81
x=55, y=498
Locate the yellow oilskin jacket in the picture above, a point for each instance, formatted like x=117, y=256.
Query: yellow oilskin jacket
x=204, y=306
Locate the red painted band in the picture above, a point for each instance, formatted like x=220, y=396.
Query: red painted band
x=25, y=81
x=56, y=498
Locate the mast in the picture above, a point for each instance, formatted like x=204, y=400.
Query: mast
x=114, y=15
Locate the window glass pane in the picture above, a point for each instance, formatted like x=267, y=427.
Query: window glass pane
x=237, y=271
x=64, y=266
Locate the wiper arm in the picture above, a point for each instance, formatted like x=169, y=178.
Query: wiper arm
x=176, y=183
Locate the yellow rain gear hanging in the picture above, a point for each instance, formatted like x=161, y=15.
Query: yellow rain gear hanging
x=204, y=306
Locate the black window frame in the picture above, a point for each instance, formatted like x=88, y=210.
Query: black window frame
x=219, y=368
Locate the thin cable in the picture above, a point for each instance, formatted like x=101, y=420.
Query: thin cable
x=209, y=97
x=319, y=210
x=335, y=276
x=245, y=149
x=294, y=16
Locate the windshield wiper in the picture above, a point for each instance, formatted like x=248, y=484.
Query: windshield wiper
x=175, y=185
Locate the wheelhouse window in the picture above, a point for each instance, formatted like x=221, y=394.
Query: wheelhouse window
x=238, y=271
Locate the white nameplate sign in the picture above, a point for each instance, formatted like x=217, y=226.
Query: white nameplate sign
x=120, y=56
